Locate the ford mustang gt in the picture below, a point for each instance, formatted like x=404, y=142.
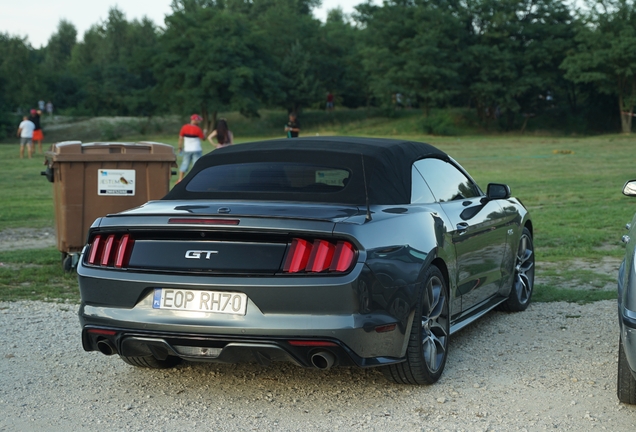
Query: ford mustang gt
x=316, y=251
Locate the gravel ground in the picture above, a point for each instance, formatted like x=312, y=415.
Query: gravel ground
x=552, y=367
x=26, y=238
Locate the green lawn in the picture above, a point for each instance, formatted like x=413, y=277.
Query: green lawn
x=572, y=186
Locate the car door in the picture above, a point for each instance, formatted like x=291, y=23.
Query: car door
x=421, y=194
x=477, y=230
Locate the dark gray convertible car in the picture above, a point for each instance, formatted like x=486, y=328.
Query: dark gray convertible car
x=316, y=251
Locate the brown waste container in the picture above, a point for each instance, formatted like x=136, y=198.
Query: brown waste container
x=91, y=180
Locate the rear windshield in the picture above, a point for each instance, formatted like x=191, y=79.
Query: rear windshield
x=263, y=177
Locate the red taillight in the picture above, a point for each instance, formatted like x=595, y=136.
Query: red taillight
x=343, y=257
x=319, y=256
x=113, y=250
x=96, y=249
x=108, y=248
x=298, y=256
x=123, y=251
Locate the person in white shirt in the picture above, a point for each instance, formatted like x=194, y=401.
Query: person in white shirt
x=25, y=132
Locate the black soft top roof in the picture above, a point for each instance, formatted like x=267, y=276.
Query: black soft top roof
x=387, y=164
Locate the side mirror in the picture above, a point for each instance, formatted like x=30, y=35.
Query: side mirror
x=502, y=191
x=630, y=188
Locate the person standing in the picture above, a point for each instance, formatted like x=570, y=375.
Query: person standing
x=222, y=133
x=38, y=136
x=329, y=105
x=41, y=105
x=190, y=138
x=293, y=126
x=25, y=132
x=49, y=108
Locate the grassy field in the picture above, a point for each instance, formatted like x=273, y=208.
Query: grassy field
x=572, y=186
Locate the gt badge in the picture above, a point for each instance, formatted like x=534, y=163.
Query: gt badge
x=196, y=254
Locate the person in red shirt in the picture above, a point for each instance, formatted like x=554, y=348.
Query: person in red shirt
x=38, y=136
x=190, y=138
x=329, y=105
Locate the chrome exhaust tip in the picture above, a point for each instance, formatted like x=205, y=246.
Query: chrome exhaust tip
x=323, y=360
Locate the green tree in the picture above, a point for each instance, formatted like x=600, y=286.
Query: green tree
x=290, y=35
x=339, y=67
x=19, y=85
x=113, y=65
x=414, y=48
x=61, y=85
x=211, y=60
x=605, y=54
x=513, y=55
x=60, y=46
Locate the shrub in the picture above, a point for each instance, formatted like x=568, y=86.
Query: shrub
x=439, y=123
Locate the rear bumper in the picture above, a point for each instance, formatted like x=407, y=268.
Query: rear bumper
x=196, y=347
x=366, y=323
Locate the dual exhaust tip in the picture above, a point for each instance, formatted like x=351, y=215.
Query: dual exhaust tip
x=321, y=360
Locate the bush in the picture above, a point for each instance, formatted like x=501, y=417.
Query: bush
x=439, y=123
x=109, y=132
x=9, y=125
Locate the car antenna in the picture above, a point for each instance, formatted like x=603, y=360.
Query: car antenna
x=366, y=190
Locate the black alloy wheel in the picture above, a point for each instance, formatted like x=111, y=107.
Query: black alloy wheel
x=428, y=342
x=523, y=280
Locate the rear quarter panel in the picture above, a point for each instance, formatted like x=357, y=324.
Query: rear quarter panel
x=400, y=243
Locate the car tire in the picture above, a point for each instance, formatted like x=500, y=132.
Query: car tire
x=428, y=341
x=523, y=279
x=626, y=384
x=151, y=362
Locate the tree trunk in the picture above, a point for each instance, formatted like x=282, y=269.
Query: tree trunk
x=525, y=123
x=626, y=116
x=209, y=121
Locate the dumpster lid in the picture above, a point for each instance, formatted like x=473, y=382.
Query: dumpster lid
x=143, y=151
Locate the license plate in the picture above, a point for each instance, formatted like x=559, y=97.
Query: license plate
x=200, y=301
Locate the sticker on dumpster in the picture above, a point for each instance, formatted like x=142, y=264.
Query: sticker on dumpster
x=115, y=182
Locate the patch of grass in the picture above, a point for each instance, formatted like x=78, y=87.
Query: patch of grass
x=571, y=184
x=36, y=274
x=551, y=293
x=26, y=197
x=577, y=279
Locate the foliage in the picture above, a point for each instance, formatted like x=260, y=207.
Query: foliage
x=439, y=123
x=113, y=67
x=413, y=48
x=210, y=61
x=18, y=77
x=514, y=50
x=511, y=61
x=606, y=55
